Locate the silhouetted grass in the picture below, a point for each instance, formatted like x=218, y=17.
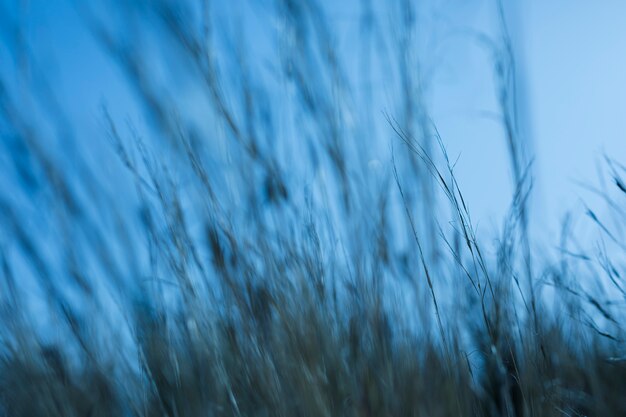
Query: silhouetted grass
x=236, y=256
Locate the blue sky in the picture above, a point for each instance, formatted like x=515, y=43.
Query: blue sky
x=577, y=87
x=572, y=69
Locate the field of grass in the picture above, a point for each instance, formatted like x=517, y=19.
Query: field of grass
x=254, y=239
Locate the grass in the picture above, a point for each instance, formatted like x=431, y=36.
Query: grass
x=200, y=270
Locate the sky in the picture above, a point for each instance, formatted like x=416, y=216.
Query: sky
x=574, y=98
x=577, y=87
x=572, y=71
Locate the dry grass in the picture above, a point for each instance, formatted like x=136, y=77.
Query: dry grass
x=203, y=272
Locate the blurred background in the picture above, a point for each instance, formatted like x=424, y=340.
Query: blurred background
x=301, y=207
x=572, y=82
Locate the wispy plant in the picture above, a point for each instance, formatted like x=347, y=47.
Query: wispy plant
x=230, y=253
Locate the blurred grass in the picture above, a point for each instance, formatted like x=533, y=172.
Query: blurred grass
x=193, y=276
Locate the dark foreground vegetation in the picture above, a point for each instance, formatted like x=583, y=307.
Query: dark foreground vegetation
x=283, y=246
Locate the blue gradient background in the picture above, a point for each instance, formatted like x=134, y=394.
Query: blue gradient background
x=573, y=71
